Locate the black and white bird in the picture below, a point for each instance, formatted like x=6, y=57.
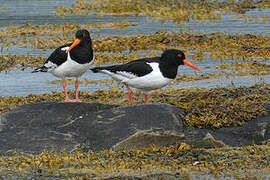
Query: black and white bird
x=148, y=73
x=70, y=60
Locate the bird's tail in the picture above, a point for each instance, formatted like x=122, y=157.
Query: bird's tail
x=40, y=69
x=96, y=69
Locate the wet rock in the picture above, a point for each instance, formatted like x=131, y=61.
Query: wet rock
x=256, y=131
x=32, y=128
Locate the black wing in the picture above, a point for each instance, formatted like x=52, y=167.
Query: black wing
x=137, y=67
x=58, y=56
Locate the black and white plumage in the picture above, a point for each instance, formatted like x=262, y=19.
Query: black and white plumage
x=70, y=60
x=148, y=73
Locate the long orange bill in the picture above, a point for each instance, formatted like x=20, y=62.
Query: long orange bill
x=186, y=62
x=75, y=43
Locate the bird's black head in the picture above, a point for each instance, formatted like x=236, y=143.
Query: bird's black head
x=83, y=35
x=173, y=56
x=82, y=38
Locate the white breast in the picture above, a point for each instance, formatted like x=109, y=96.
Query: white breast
x=151, y=81
x=70, y=68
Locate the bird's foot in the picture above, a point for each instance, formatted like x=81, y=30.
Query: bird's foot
x=70, y=100
x=77, y=100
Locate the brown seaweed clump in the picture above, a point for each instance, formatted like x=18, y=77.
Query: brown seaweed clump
x=213, y=108
x=179, y=161
x=8, y=61
x=178, y=11
x=198, y=46
x=216, y=108
x=36, y=29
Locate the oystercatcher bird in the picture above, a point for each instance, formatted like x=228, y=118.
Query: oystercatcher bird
x=148, y=73
x=70, y=60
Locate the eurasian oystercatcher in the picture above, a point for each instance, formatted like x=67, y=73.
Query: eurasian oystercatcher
x=70, y=60
x=148, y=73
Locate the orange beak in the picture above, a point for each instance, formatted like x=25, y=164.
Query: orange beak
x=186, y=62
x=75, y=43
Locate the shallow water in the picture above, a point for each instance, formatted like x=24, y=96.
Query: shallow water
x=17, y=82
x=23, y=83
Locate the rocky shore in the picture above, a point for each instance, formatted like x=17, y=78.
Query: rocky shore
x=32, y=128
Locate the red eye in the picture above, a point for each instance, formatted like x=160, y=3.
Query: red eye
x=179, y=55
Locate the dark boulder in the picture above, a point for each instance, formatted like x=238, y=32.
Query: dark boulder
x=32, y=128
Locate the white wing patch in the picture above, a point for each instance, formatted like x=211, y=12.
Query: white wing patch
x=119, y=75
x=50, y=65
x=128, y=75
x=64, y=48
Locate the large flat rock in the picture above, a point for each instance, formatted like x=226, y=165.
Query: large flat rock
x=32, y=128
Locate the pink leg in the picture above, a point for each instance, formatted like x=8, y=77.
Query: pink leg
x=130, y=99
x=146, y=98
x=77, y=93
x=65, y=89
